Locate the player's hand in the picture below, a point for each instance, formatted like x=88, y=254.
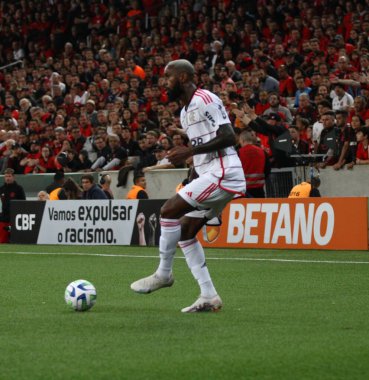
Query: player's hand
x=238, y=113
x=179, y=154
x=249, y=111
x=172, y=128
x=337, y=166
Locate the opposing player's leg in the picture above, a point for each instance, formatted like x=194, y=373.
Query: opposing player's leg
x=209, y=299
x=171, y=212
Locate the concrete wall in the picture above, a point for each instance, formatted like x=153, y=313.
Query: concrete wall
x=345, y=183
x=161, y=184
x=33, y=183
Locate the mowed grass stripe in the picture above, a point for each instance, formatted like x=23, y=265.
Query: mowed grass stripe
x=182, y=258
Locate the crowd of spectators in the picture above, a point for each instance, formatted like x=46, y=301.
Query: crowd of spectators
x=88, y=93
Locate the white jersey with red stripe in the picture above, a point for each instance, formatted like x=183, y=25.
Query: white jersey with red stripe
x=201, y=121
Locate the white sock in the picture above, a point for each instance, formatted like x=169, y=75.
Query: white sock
x=195, y=258
x=169, y=237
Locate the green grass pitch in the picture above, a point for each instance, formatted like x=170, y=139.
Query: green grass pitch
x=286, y=315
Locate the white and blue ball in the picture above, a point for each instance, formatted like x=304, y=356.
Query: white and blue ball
x=80, y=295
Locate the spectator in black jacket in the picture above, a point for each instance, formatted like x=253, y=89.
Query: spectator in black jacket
x=8, y=192
x=298, y=147
x=148, y=157
x=130, y=145
x=90, y=189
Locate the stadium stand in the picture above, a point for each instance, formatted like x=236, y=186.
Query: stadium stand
x=77, y=75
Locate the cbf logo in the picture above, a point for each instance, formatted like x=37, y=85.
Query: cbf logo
x=25, y=222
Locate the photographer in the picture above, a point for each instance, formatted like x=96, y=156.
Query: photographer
x=272, y=128
x=328, y=144
x=298, y=147
x=346, y=136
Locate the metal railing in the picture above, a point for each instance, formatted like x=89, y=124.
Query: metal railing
x=280, y=181
x=12, y=64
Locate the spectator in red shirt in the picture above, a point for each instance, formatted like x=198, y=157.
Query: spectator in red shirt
x=85, y=125
x=362, y=153
x=253, y=161
x=226, y=80
x=287, y=85
x=360, y=109
x=60, y=137
x=263, y=103
x=279, y=56
x=344, y=69
x=31, y=160
x=46, y=162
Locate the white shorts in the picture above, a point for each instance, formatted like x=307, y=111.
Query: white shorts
x=206, y=196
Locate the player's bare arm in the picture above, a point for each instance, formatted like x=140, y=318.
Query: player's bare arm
x=225, y=137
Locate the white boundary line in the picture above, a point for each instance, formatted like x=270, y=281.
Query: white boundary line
x=182, y=258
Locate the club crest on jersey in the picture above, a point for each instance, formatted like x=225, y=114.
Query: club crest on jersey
x=192, y=117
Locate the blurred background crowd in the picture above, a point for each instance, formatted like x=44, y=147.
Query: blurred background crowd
x=82, y=85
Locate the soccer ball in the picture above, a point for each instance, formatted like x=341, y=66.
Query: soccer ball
x=80, y=295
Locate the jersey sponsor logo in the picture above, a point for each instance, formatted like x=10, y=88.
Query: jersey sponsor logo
x=210, y=118
x=189, y=193
x=221, y=109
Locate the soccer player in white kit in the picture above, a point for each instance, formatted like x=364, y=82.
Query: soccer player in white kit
x=221, y=177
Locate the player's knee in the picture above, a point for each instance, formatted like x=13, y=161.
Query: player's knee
x=189, y=228
x=173, y=208
x=185, y=230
